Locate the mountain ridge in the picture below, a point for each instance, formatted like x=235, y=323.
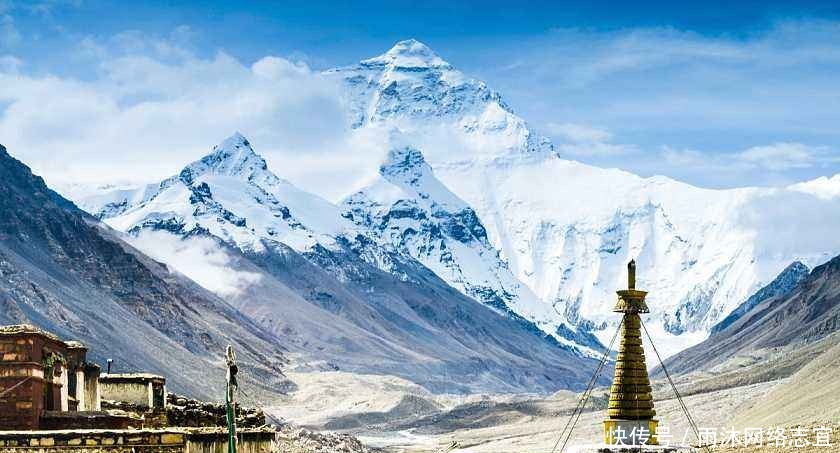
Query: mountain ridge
x=65, y=272
x=805, y=313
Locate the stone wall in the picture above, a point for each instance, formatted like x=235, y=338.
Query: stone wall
x=138, y=393
x=57, y=420
x=183, y=411
x=175, y=440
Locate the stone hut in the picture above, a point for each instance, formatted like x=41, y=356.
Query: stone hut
x=143, y=390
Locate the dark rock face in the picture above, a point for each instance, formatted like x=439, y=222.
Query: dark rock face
x=807, y=312
x=63, y=271
x=780, y=286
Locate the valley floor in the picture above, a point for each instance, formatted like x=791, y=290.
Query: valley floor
x=397, y=416
x=400, y=418
x=516, y=430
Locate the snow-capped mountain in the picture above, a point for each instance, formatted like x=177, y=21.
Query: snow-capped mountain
x=412, y=88
x=494, y=210
x=326, y=285
x=823, y=187
x=409, y=210
x=229, y=194
x=567, y=229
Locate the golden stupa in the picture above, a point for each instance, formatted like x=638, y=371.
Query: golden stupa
x=630, y=414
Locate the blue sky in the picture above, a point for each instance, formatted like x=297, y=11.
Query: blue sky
x=723, y=95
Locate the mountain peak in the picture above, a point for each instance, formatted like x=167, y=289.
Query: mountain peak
x=402, y=161
x=409, y=53
x=406, y=167
x=235, y=140
x=234, y=156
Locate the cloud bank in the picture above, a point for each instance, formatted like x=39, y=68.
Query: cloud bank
x=200, y=259
x=152, y=106
x=712, y=111
x=762, y=98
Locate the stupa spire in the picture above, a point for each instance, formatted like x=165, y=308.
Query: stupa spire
x=630, y=414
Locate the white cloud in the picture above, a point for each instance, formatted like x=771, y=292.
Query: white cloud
x=200, y=259
x=656, y=87
x=683, y=157
x=779, y=156
x=792, y=223
x=10, y=64
x=274, y=68
x=154, y=106
x=772, y=161
x=583, y=140
x=579, y=133
x=46, y=7
x=597, y=149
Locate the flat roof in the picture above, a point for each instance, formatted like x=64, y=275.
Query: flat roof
x=17, y=329
x=131, y=377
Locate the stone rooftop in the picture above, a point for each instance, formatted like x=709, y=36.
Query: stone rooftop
x=131, y=377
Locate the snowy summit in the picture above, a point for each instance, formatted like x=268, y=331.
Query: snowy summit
x=409, y=53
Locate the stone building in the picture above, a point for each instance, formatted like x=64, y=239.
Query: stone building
x=141, y=389
x=40, y=374
x=51, y=399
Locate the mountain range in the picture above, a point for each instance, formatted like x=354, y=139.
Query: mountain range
x=305, y=278
x=471, y=202
x=797, y=309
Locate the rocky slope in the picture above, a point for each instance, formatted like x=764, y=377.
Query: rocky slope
x=781, y=286
x=806, y=313
x=809, y=396
x=65, y=272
